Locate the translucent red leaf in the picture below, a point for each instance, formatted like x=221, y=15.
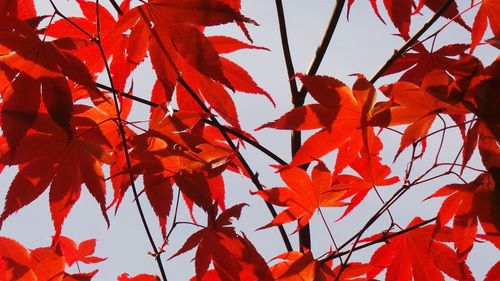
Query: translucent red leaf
x=224, y=44
x=15, y=261
x=301, y=266
x=468, y=204
x=450, y=13
x=139, y=277
x=78, y=253
x=233, y=256
x=303, y=195
x=417, y=255
x=67, y=165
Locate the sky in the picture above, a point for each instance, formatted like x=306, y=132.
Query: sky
x=360, y=45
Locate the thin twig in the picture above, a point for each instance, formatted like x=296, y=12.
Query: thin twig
x=329, y=233
x=56, y=10
x=323, y=45
x=123, y=137
x=380, y=240
x=116, y=7
x=286, y=50
x=235, y=133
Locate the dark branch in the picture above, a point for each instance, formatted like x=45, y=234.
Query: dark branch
x=116, y=7
x=323, y=45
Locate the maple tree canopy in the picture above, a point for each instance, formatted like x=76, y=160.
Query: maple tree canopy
x=67, y=91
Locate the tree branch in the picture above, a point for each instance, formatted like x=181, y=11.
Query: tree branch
x=116, y=7
x=323, y=46
x=235, y=133
x=296, y=136
x=247, y=167
x=123, y=137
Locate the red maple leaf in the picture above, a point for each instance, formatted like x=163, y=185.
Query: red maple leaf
x=139, y=277
x=232, y=255
x=172, y=152
x=373, y=173
x=341, y=114
x=303, y=194
x=419, y=106
x=48, y=157
x=78, y=253
x=467, y=204
x=42, y=70
x=301, y=266
x=418, y=255
x=420, y=62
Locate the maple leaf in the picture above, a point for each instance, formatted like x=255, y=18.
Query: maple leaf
x=175, y=33
x=486, y=15
x=83, y=276
x=113, y=44
x=139, y=277
x=15, y=261
x=301, y=266
x=418, y=255
x=172, y=52
x=466, y=204
x=48, y=157
x=172, y=153
x=341, y=114
x=373, y=173
x=420, y=62
x=43, y=72
x=419, y=106
x=232, y=255
x=82, y=252
x=303, y=194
